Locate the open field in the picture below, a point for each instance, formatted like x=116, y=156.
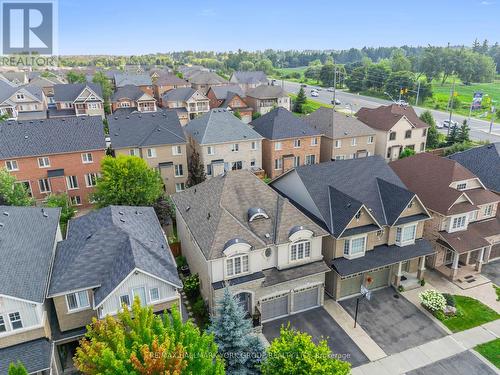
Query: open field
x=300, y=70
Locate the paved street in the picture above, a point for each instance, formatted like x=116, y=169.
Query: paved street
x=492, y=271
x=479, y=128
x=466, y=363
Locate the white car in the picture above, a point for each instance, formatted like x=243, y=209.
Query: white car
x=314, y=94
x=330, y=89
x=446, y=124
x=401, y=102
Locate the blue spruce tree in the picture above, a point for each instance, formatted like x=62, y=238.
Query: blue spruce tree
x=238, y=344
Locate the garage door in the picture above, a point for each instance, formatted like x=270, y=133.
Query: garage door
x=274, y=307
x=380, y=278
x=305, y=299
x=350, y=286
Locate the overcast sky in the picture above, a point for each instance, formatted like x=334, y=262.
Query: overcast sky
x=148, y=26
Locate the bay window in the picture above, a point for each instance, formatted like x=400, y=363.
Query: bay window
x=78, y=300
x=458, y=223
x=355, y=247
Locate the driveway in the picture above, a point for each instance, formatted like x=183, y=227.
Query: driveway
x=465, y=363
x=319, y=324
x=492, y=271
x=395, y=324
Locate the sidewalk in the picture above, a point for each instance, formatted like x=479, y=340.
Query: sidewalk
x=430, y=352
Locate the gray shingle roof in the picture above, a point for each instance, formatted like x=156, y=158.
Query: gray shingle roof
x=343, y=126
x=484, y=162
x=266, y=92
x=127, y=92
x=249, y=77
x=6, y=91
x=70, y=91
x=219, y=126
x=205, y=78
x=104, y=246
x=221, y=92
x=34, y=355
x=51, y=136
x=122, y=79
x=218, y=210
x=145, y=129
x=281, y=124
x=167, y=79
x=339, y=188
x=27, y=241
x=178, y=95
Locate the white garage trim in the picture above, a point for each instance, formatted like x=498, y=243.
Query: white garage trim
x=314, y=290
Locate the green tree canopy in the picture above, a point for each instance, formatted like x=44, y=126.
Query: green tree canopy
x=13, y=193
x=264, y=65
x=107, y=90
x=196, y=170
x=299, y=101
x=356, y=80
x=246, y=66
x=67, y=210
x=398, y=80
x=432, y=133
x=140, y=342
x=399, y=61
x=294, y=353
x=376, y=76
x=127, y=180
x=463, y=133
x=17, y=369
x=74, y=77
x=406, y=153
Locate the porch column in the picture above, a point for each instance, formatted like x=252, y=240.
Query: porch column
x=487, y=255
x=479, y=261
x=397, y=279
x=421, y=268
x=454, y=266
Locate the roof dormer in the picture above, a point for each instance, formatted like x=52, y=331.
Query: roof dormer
x=256, y=213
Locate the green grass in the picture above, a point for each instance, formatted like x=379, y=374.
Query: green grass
x=490, y=351
x=470, y=313
x=302, y=79
x=310, y=105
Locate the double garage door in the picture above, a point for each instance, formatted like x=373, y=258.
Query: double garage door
x=277, y=306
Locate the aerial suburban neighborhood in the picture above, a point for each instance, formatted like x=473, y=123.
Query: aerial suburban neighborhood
x=234, y=199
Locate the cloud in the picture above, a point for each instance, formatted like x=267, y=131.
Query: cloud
x=487, y=2
x=207, y=13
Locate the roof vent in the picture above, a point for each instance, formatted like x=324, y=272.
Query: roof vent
x=208, y=216
x=349, y=204
x=267, y=235
x=45, y=214
x=128, y=117
x=2, y=225
x=25, y=137
x=120, y=212
x=188, y=208
x=5, y=213
x=89, y=236
x=122, y=220
x=116, y=118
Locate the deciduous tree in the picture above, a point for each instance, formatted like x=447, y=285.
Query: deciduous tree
x=74, y=77
x=13, y=193
x=17, y=369
x=67, y=209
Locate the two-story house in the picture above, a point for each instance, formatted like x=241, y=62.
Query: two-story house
x=47, y=86
x=239, y=233
x=164, y=82
x=54, y=155
x=143, y=81
x=230, y=97
x=288, y=141
x=223, y=142
x=109, y=257
x=248, y=80
x=132, y=98
x=264, y=98
x=27, y=102
x=464, y=230
x=396, y=128
x=158, y=139
x=77, y=99
x=28, y=238
x=344, y=137
x=187, y=102
x=375, y=223
x=203, y=80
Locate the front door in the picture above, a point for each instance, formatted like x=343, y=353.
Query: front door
x=245, y=301
x=448, y=259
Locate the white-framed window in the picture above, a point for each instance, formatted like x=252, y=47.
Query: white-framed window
x=235, y=147
x=154, y=294
x=472, y=216
x=124, y=299
x=20, y=96
x=210, y=150
x=133, y=152
x=254, y=145
x=458, y=222
x=209, y=169
x=310, y=159
x=406, y=235
x=93, y=105
x=11, y=165
x=87, y=158
x=277, y=146
x=78, y=300
x=338, y=143
x=178, y=170
x=125, y=104
x=151, y=153
x=179, y=187
x=176, y=150
x=43, y=162
x=300, y=250
x=296, y=143
x=488, y=210
x=392, y=136
x=72, y=182
x=339, y=157
x=278, y=164
x=462, y=186
x=3, y=326
x=407, y=134
x=141, y=293
x=75, y=200
x=91, y=179
x=355, y=247
x=15, y=320
x=44, y=185
x=296, y=161
x=353, y=142
x=237, y=265
x=370, y=139
x=237, y=165
x=314, y=141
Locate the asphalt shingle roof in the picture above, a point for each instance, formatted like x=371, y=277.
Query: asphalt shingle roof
x=104, y=246
x=123, y=79
x=27, y=239
x=178, y=95
x=219, y=126
x=484, y=161
x=385, y=117
x=145, y=129
x=51, y=136
x=266, y=92
x=168, y=79
x=281, y=124
x=34, y=355
x=6, y=91
x=249, y=77
x=70, y=91
x=218, y=213
x=128, y=91
x=205, y=78
x=221, y=92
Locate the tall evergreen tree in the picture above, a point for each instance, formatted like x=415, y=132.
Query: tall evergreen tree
x=233, y=334
x=463, y=134
x=452, y=137
x=300, y=100
x=196, y=170
x=17, y=369
x=432, y=132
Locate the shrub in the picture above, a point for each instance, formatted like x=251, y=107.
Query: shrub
x=192, y=286
x=422, y=282
x=439, y=315
x=199, y=307
x=181, y=261
x=401, y=289
x=432, y=300
x=450, y=299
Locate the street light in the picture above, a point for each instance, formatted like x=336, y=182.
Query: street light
x=389, y=95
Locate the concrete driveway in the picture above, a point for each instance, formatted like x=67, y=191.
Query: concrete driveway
x=465, y=363
x=492, y=271
x=394, y=324
x=319, y=324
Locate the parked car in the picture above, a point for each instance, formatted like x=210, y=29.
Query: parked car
x=446, y=124
x=314, y=94
x=439, y=125
x=303, y=85
x=337, y=102
x=401, y=102
x=330, y=89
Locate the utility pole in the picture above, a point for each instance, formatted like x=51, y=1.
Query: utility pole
x=493, y=110
x=400, y=89
x=334, y=98
x=418, y=93
x=452, y=95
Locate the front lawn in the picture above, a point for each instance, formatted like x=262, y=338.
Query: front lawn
x=470, y=313
x=310, y=105
x=490, y=351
